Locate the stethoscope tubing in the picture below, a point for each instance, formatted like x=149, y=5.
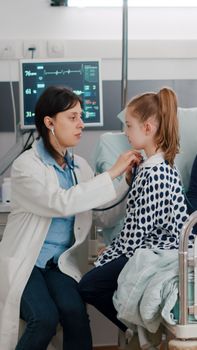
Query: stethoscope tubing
x=71, y=165
x=124, y=196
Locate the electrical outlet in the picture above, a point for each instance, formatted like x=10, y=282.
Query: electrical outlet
x=7, y=51
x=55, y=48
x=31, y=49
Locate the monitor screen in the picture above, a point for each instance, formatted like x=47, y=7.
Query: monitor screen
x=82, y=76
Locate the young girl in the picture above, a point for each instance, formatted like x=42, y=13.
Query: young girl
x=156, y=209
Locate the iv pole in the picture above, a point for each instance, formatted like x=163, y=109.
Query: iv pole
x=124, y=53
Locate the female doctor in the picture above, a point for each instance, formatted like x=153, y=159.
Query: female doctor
x=41, y=253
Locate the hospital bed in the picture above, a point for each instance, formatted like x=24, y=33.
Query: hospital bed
x=183, y=335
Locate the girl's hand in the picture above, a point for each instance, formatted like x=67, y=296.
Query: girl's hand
x=124, y=162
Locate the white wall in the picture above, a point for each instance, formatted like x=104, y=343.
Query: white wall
x=36, y=19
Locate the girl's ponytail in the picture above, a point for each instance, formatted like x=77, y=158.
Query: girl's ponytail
x=167, y=137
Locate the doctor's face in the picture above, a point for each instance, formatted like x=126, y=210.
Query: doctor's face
x=68, y=126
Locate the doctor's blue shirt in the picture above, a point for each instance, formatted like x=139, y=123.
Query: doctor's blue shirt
x=60, y=235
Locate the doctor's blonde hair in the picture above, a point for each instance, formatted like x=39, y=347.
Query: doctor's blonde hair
x=163, y=106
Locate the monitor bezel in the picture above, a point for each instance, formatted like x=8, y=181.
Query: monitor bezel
x=23, y=126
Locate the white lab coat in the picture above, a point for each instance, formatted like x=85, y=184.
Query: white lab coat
x=36, y=198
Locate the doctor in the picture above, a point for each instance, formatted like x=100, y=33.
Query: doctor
x=41, y=253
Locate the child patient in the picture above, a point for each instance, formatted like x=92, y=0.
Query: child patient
x=156, y=209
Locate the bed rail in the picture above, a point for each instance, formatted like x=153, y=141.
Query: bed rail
x=184, y=262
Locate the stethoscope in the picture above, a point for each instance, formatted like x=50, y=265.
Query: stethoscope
x=69, y=160
x=125, y=195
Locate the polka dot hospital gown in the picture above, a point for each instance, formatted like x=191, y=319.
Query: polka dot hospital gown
x=155, y=211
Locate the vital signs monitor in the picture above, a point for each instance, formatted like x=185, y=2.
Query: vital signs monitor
x=82, y=76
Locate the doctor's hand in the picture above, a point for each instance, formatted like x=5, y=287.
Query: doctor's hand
x=124, y=162
x=130, y=169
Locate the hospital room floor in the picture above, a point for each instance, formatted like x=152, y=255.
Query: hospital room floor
x=106, y=348
x=133, y=345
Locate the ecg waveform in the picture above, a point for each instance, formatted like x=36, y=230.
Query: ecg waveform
x=90, y=73
x=63, y=72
